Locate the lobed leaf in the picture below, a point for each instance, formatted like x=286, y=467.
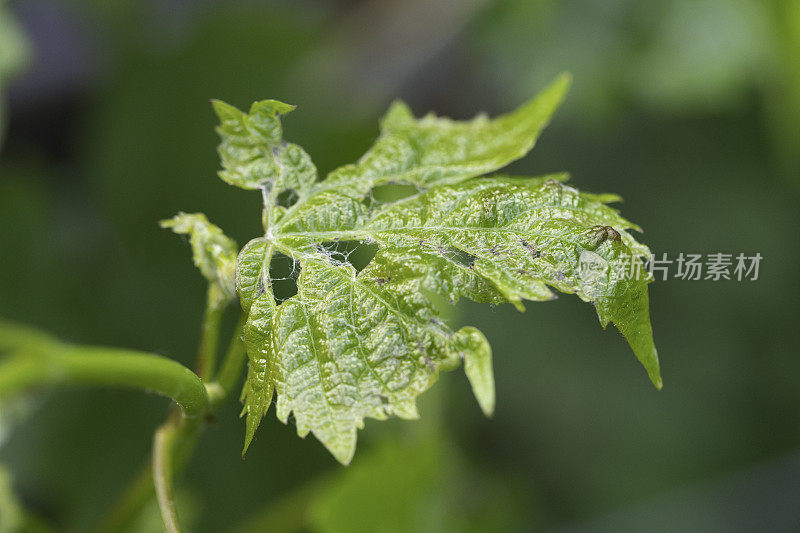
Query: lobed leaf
x=352, y=344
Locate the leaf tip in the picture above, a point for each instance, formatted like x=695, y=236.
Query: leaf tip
x=252, y=424
x=654, y=372
x=641, y=341
x=398, y=114
x=564, y=79
x=342, y=447
x=224, y=110
x=170, y=223
x=553, y=95
x=477, y=355
x=271, y=108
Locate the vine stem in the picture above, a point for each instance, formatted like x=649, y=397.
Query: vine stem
x=55, y=364
x=209, y=337
x=167, y=438
x=183, y=434
x=37, y=359
x=163, y=472
x=172, y=442
x=230, y=371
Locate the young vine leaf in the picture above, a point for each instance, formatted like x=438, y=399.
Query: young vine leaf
x=355, y=344
x=213, y=253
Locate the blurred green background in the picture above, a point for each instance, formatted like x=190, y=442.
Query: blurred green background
x=687, y=108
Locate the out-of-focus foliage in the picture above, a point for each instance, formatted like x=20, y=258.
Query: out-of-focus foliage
x=672, y=56
x=14, y=54
x=417, y=481
x=422, y=485
x=10, y=510
x=783, y=95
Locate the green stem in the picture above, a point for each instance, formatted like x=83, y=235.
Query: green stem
x=141, y=488
x=209, y=337
x=62, y=364
x=163, y=455
x=173, y=441
x=270, y=201
x=37, y=359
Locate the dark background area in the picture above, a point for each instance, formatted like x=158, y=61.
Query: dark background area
x=688, y=109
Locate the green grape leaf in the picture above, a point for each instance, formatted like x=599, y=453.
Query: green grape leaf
x=212, y=251
x=364, y=343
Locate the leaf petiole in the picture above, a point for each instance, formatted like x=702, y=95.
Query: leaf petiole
x=209, y=337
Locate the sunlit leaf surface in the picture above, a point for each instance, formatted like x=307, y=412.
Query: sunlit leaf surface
x=356, y=343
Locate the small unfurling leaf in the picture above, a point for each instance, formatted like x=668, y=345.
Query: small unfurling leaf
x=253, y=153
x=213, y=252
